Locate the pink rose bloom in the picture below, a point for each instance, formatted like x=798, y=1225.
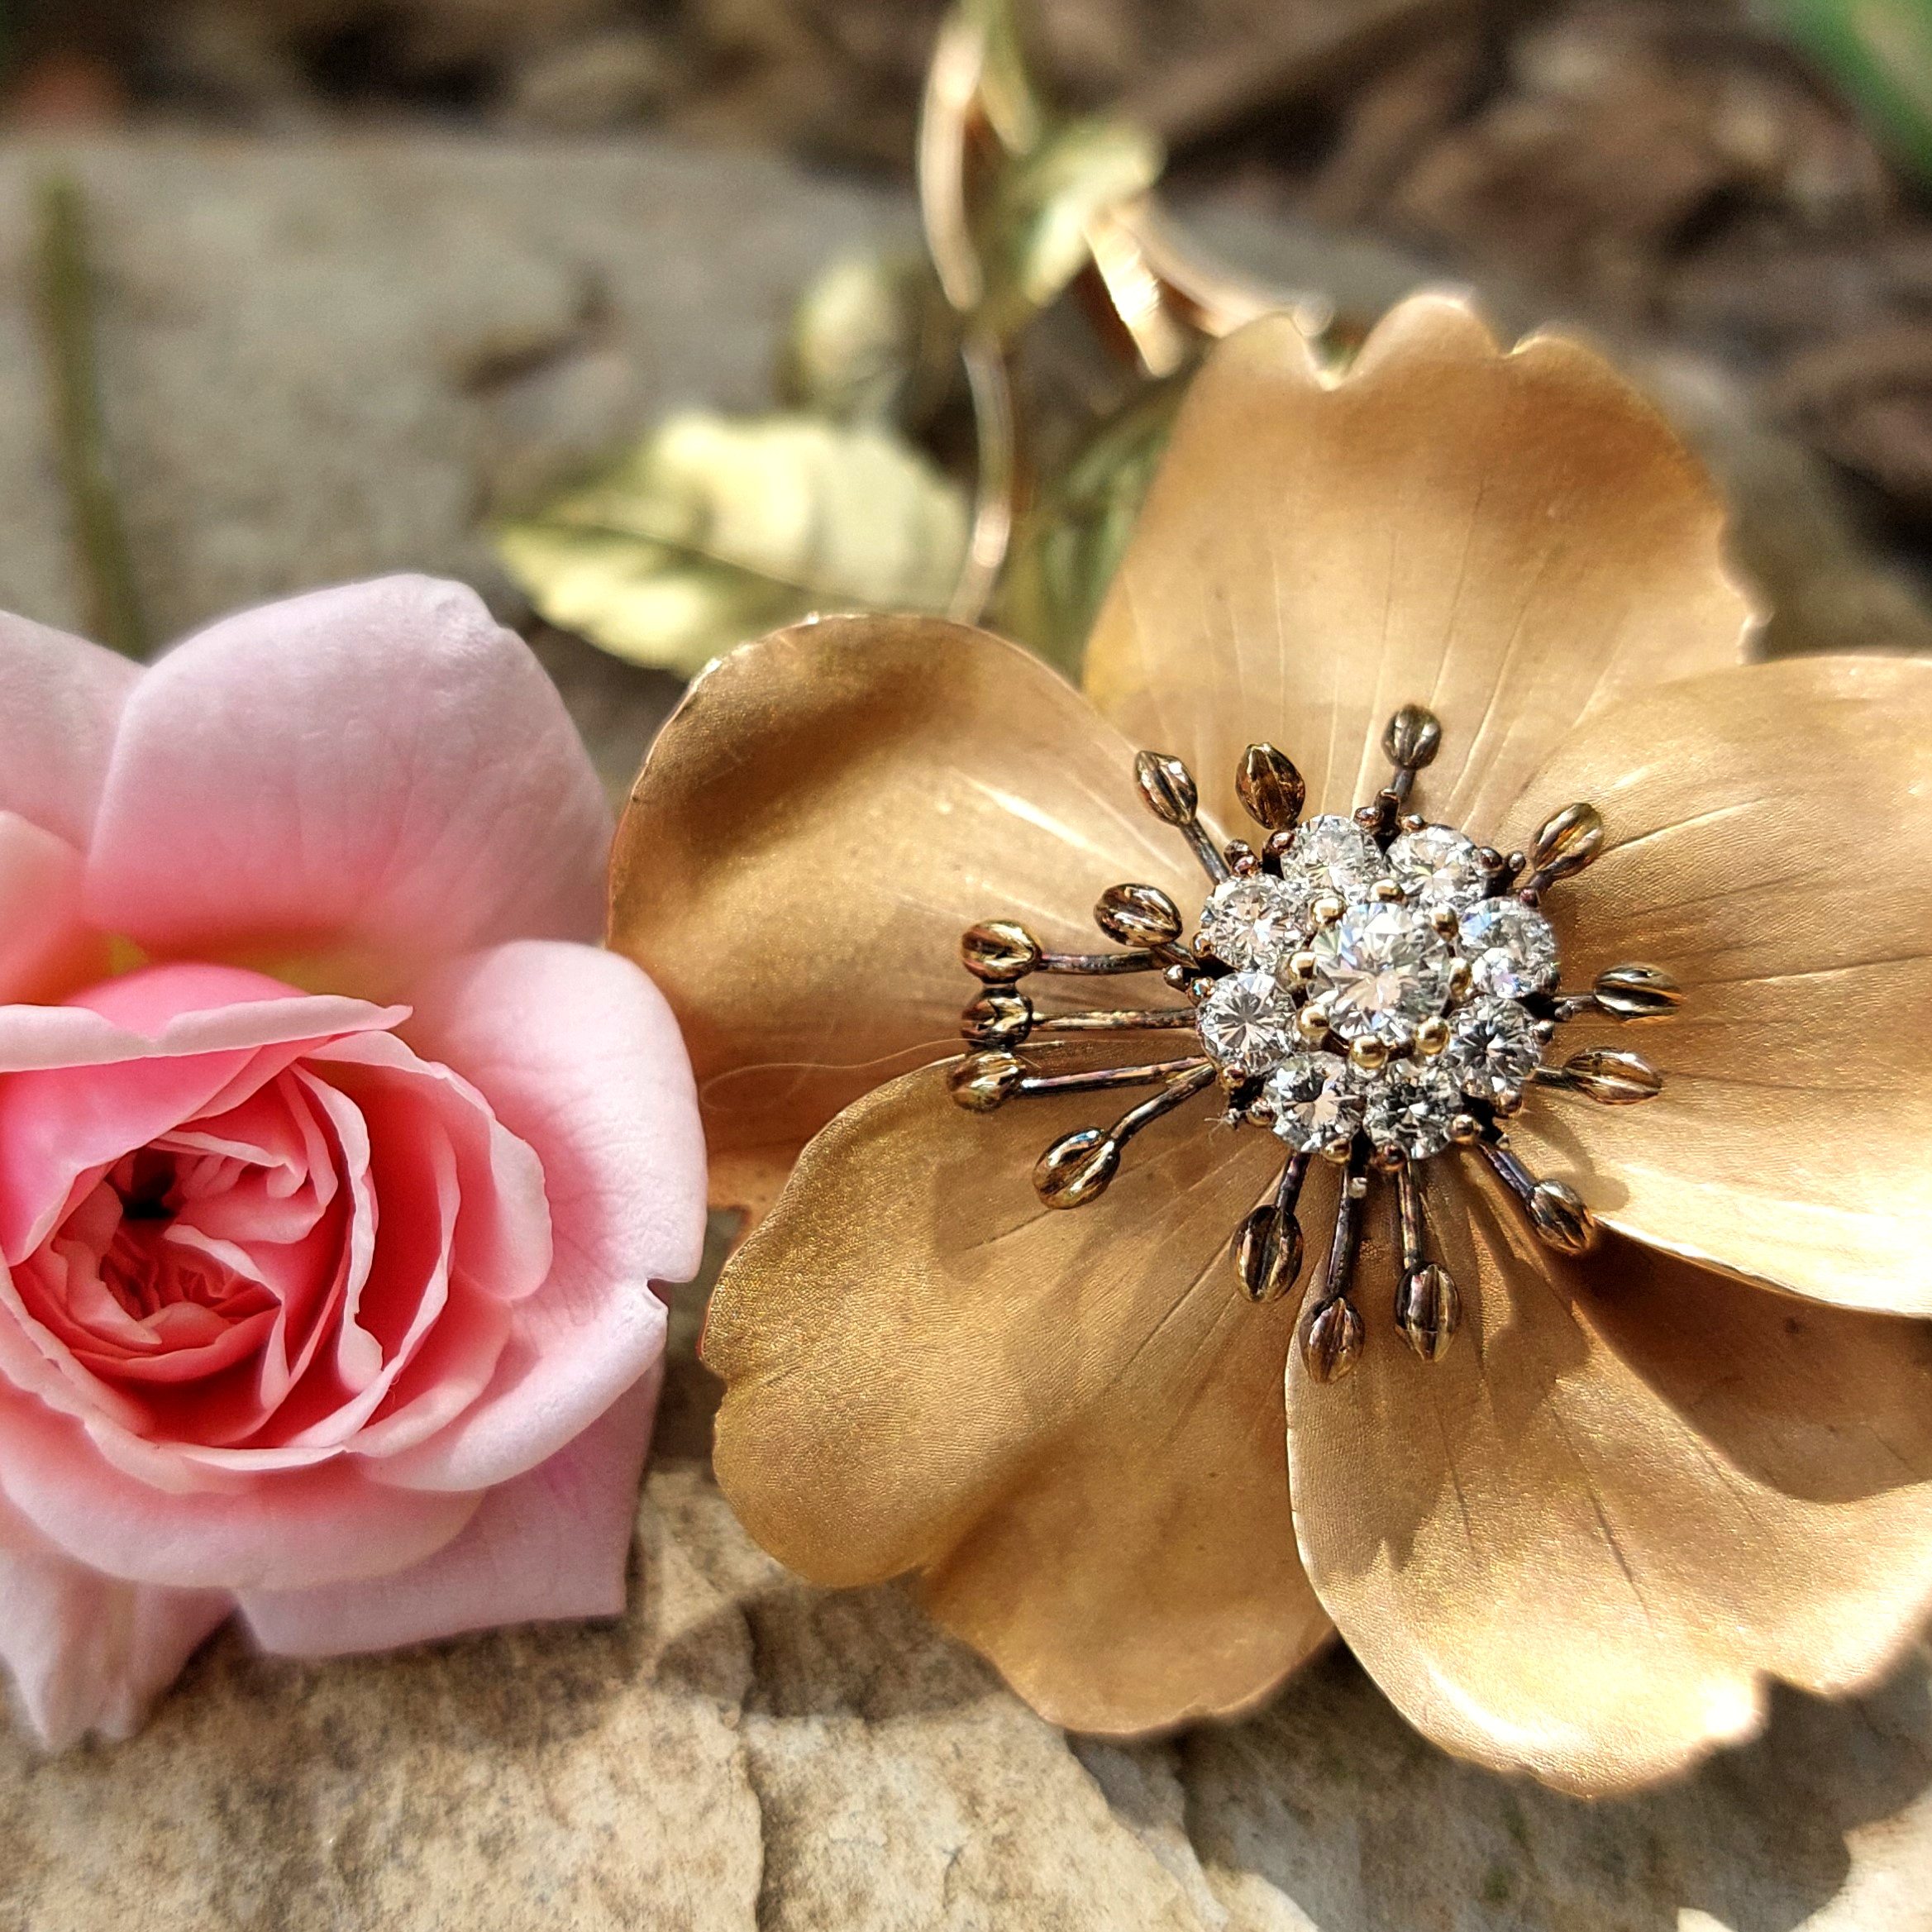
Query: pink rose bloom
x=336, y=1165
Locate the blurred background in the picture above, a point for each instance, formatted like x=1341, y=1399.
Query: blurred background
x=364, y=276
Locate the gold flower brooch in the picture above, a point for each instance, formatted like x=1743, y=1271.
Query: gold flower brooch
x=1681, y=1443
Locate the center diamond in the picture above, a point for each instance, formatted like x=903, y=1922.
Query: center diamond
x=1380, y=969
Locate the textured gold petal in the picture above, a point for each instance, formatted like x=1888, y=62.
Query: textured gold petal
x=1769, y=837
x=1514, y=540
x=824, y=815
x=1632, y=1488
x=1070, y=1419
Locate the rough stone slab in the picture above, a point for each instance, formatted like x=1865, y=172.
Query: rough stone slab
x=324, y=360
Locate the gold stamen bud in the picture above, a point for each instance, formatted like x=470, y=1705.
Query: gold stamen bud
x=1428, y=1310
x=1166, y=787
x=983, y=1081
x=1562, y=1221
x=999, y=1019
x=1138, y=915
x=1272, y=791
x=1566, y=842
x=1616, y=1080
x=1267, y=1254
x=1413, y=737
x=1637, y=992
x=1331, y=1340
x=1077, y=1168
x=1431, y=1037
x=998, y=951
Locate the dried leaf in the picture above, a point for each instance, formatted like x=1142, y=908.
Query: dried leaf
x=715, y=530
x=1070, y=542
x=872, y=339
x=1031, y=233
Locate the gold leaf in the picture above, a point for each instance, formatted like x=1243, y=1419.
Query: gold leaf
x=1031, y=232
x=713, y=530
x=1071, y=540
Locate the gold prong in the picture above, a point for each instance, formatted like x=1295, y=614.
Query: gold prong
x=1465, y=1130
x=1557, y=1212
x=999, y=1017
x=1272, y=791
x=1331, y=1339
x=1138, y=915
x=1411, y=822
x=1432, y=1037
x=1267, y=1246
x=998, y=950
x=1369, y=1053
x=1443, y=918
x=1338, y=1151
x=1413, y=737
x=1327, y=910
x=1509, y=1100
x=1230, y=1077
x=1613, y=1079
x=1312, y=1023
x=1301, y=965
x=1388, y=1158
x=1637, y=992
x=982, y=1081
x=1462, y=980
x=1428, y=1308
x=1386, y=890
x=1168, y=790
x=1136, y=1019
x=1079, y=1167
x=1565, y=843
x=1244, y=861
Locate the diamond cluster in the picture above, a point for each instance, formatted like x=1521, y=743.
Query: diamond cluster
x=1374, y=992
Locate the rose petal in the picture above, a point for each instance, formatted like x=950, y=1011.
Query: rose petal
x=1514, y=540
x=380, y=768
x=287, y=1531
x=45, y=946
x=578, y=1054
x=114, y=1085
x=62, y=701
x=1068, y=1420
x=552, y=1542
x=827, y=812
x=1768, y=844
x=1576, y=1543
x=89, y=1653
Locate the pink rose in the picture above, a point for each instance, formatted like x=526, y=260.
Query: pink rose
x=331, y=1219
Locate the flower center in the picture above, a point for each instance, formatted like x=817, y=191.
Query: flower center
x=1374, y=990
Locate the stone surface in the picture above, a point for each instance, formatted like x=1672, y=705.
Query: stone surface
x=324, y=361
